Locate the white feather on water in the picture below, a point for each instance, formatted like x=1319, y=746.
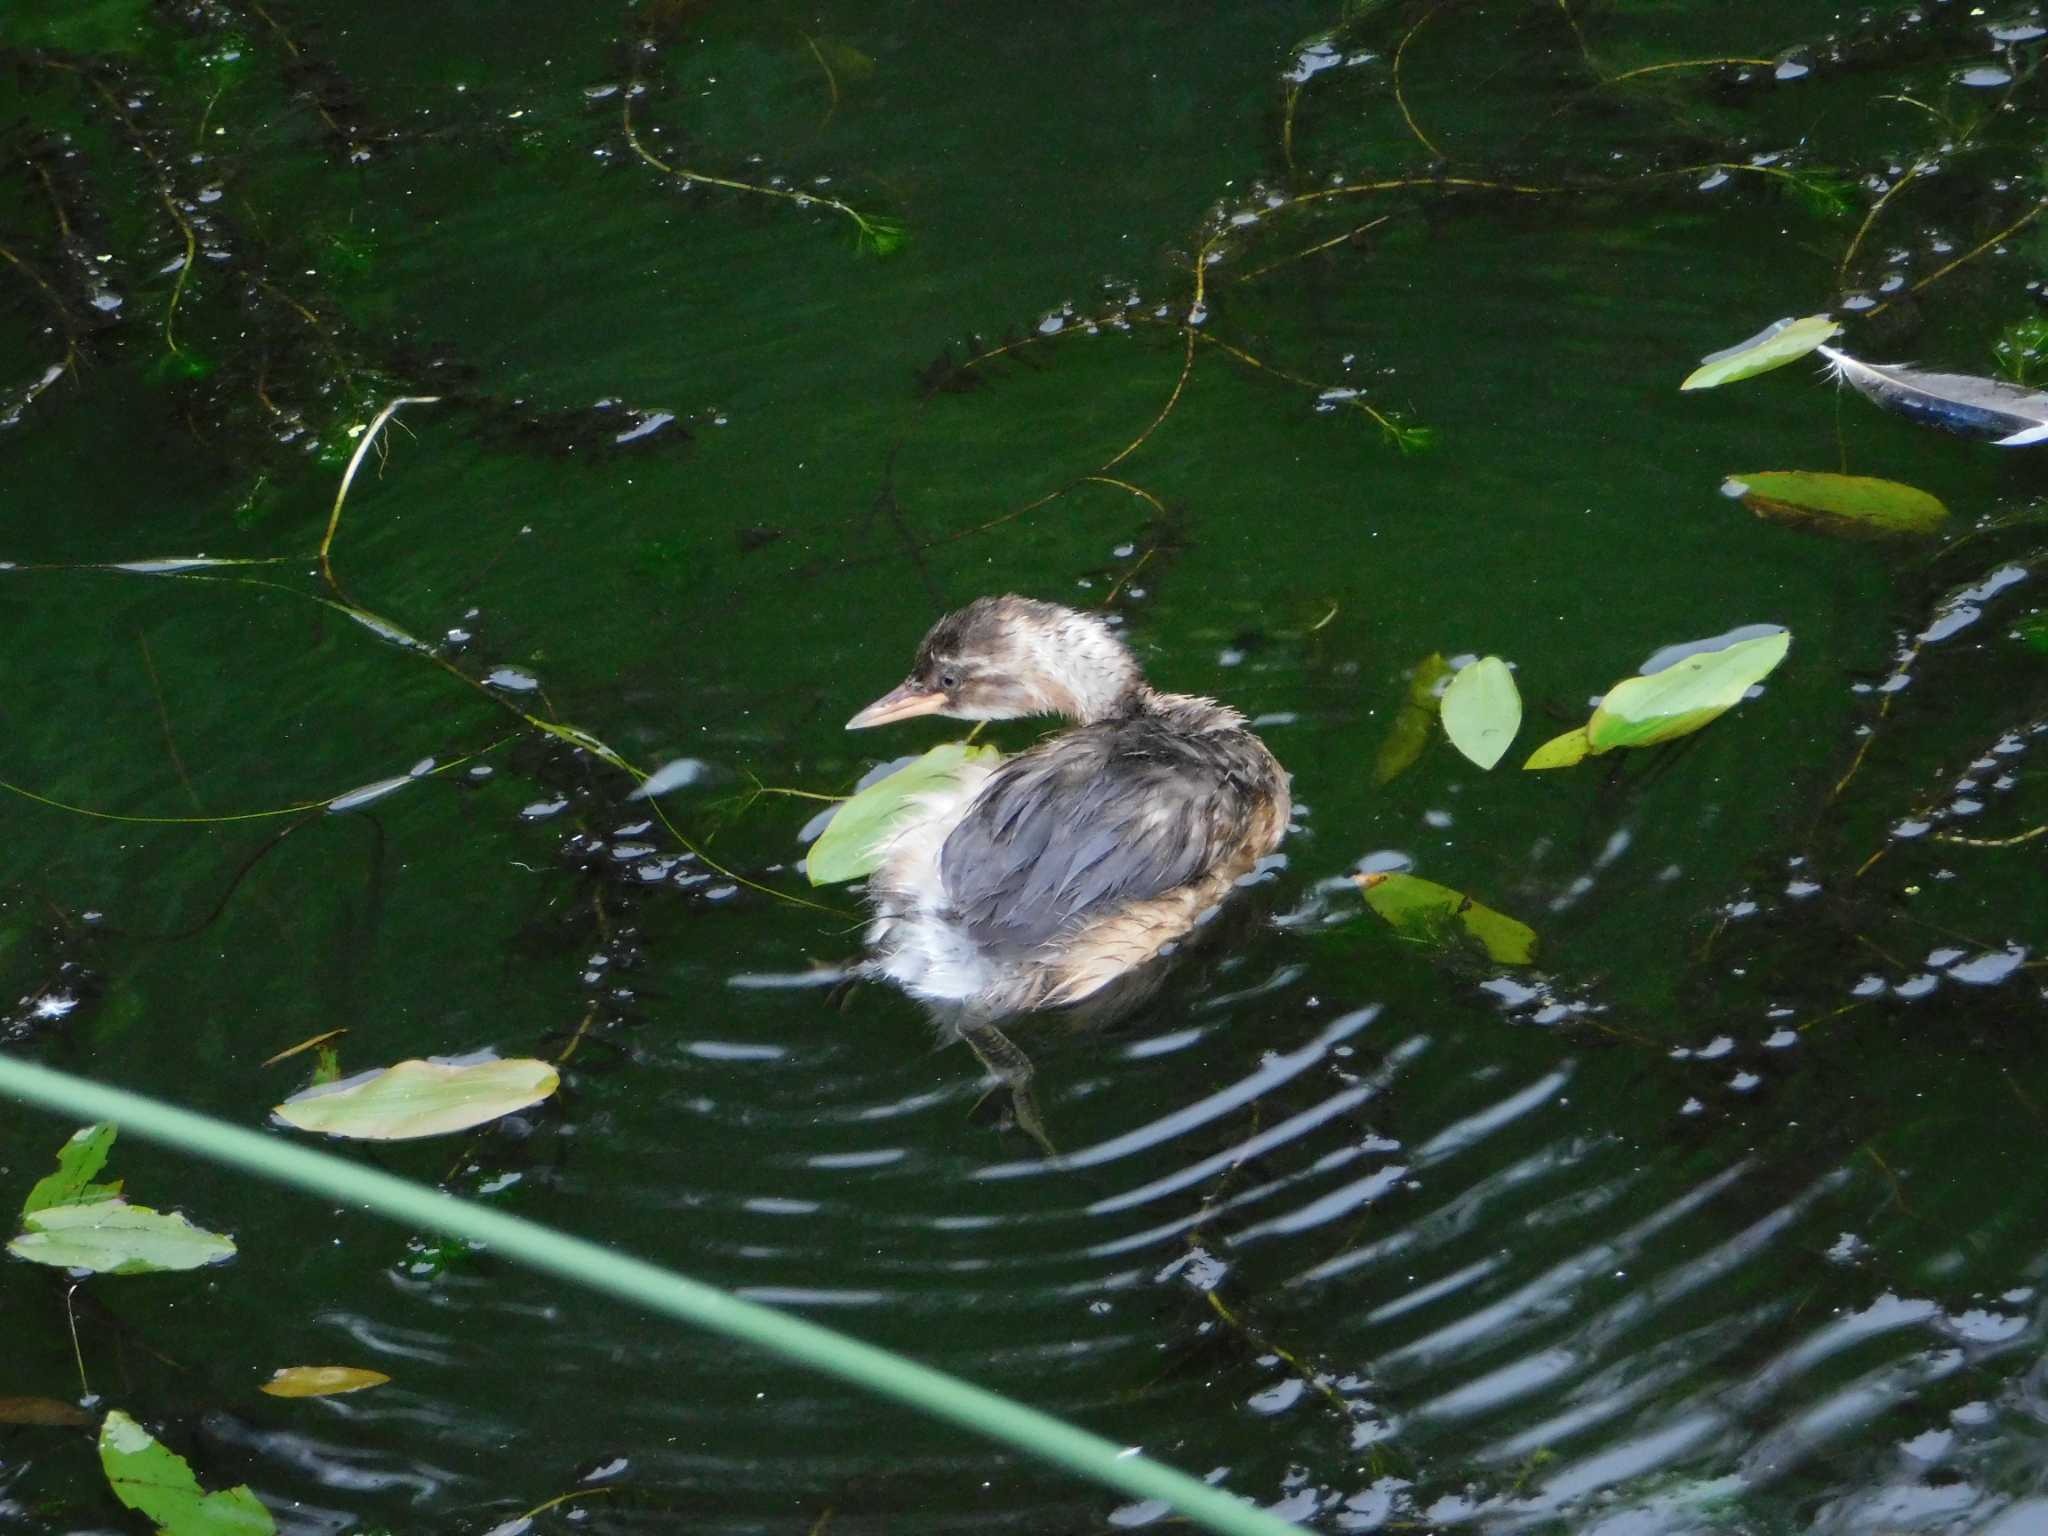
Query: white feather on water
x=2007, y=415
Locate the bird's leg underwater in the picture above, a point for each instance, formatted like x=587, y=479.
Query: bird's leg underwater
x=1007, y=1063
x=839, y=996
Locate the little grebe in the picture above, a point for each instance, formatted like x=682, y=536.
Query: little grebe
x=1035, y=882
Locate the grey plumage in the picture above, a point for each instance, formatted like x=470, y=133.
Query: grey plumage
x=1060, y=875
x=1099, y=817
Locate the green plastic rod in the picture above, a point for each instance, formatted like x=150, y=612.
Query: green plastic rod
x=601, y=1269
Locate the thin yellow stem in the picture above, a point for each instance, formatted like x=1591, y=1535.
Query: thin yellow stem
x=1319, y=246
x=1401, y=100
x=1124, y=485
x=684, y=173
x=348, y=476
x=831, y=80
x=1971, y=255
x=184, y=271
x=1187, y=366
x=1652, y=69
x=304, y=1045
x=1993, y=842
x=1870, y=218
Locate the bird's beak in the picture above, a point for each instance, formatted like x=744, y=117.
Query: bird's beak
x=900, y=703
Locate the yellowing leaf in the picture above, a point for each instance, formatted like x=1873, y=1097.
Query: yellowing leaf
x=1482, y=711
x=1777, y=344
x=1853, y=506
x=1435, y=914
x=1409, y=733
x=1684, y=696
x=321, y=1380
x=47, y=1412
x=1560, y=751
x=112, y=1237
x=419, y=1098
x=854, y=840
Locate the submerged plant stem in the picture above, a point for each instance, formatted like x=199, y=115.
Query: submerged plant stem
x=1319, y=247
x=1970, y=255
x=184, y=272
x=876, y=233
x=355, y=461
x=1870, y=218
x=163, y=716
x=1173, y=399
x=1652, y=69
x=1401, y=100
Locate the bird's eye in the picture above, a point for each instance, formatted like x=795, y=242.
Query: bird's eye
x=949, y=681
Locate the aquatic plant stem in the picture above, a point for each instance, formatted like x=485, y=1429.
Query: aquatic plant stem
x=1187, y=366
x=1401, y=100
x=1870, y=218
x=831, y=80
x=355, y=461
x=1970, y=255
x=184, y=273
x=50, y=297
x=1317, y=248
x=610, y=1272
x=875, y=232
x=1653, y=69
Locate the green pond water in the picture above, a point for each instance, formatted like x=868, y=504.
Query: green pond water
x=1727, y=1215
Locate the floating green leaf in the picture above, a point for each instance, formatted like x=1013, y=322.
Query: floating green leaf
x=1482, y=711
x=149, y=1476
x=1854, y=506
x=1684, y=696
x=420, y=1098
x=1561, y=751
x=84, y=1155
x=112, y=1237
x=1435, y=914
x=1409, y=733
x=1777, y=344
x=851, y=844
x=321, y=1380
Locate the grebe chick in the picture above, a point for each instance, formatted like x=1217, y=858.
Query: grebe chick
x=1036, y=882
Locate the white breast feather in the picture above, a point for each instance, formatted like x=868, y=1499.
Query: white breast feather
x=918, y=947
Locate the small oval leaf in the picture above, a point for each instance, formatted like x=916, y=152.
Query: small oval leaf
x=1482, y=710
x=1852, y=506
x=419, y=1098
x=1435, y=914
x=321, y=1380
x=112, y=1237
x=1782, y=342
x=855, y=838
x=1643, y=711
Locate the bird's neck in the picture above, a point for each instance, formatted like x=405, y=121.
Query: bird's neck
x=1084, y=672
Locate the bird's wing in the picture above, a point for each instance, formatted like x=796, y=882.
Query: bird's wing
x=1101, y=816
